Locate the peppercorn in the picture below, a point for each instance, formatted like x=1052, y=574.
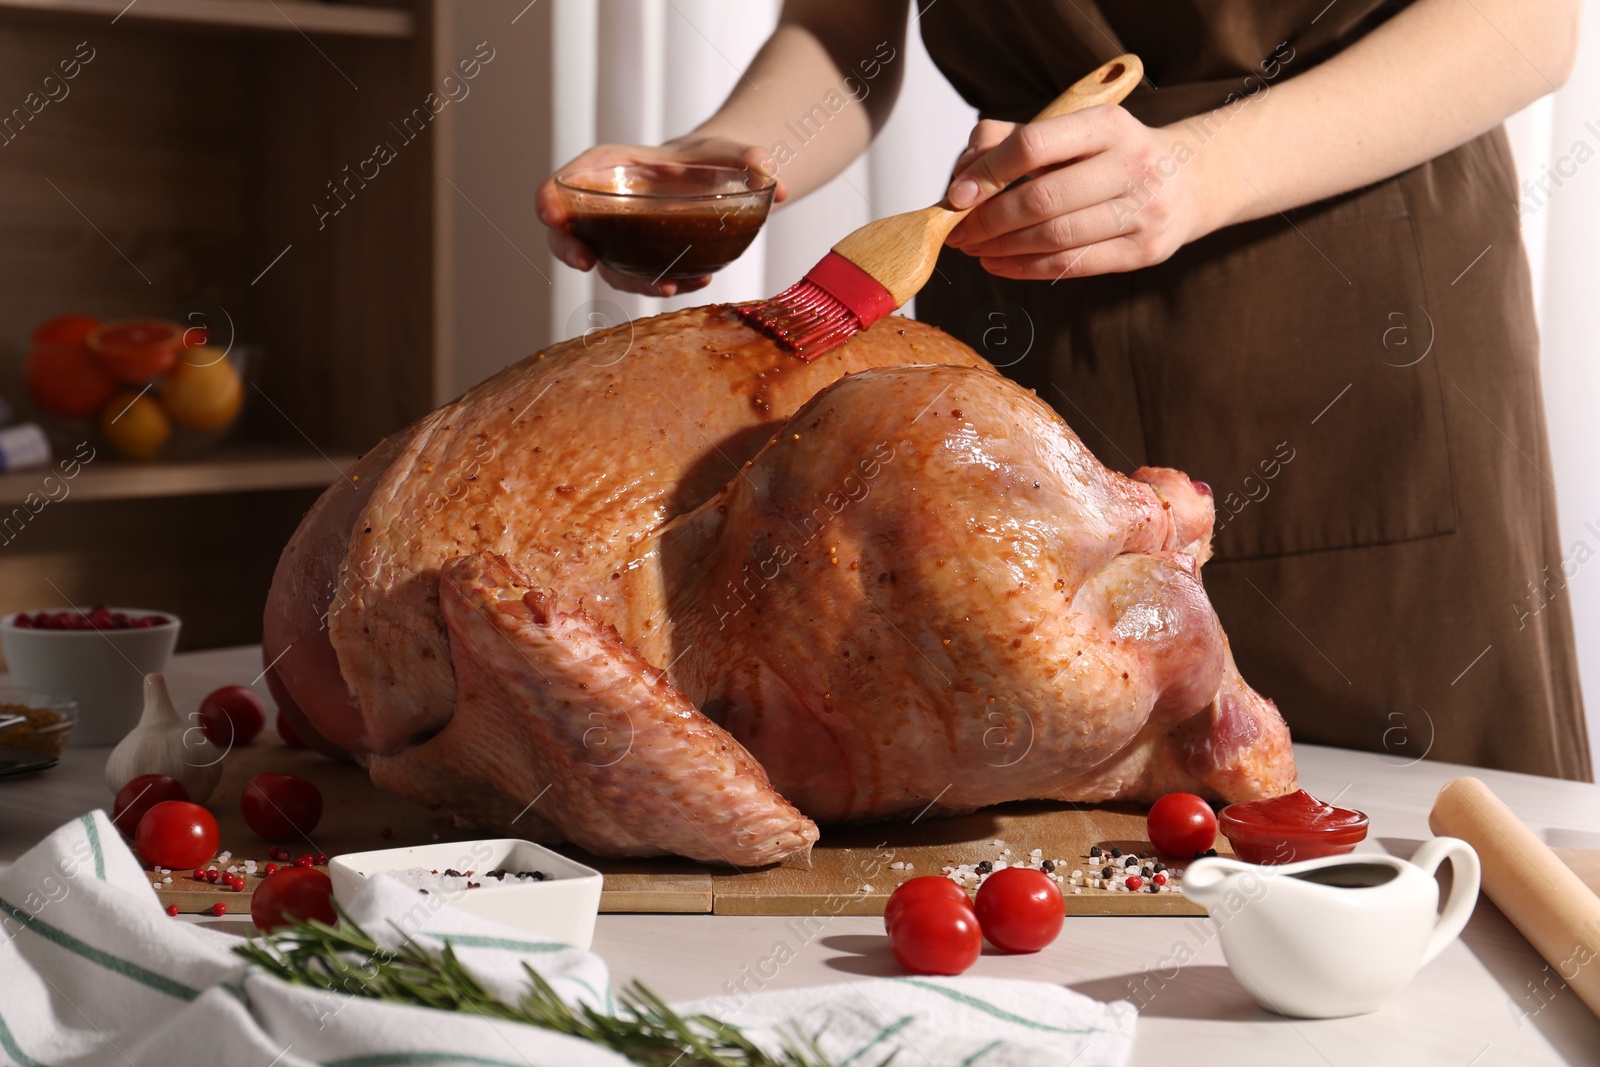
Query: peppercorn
x=984, y=867
x=1094, y=853
x=1130, y=862
x=1147, y=870
x=1134, y=882
x=1211, y=852
x=1048, y=866
x=1153, y=888
x=1107, y=872
x=1116, y=853
x=172, y=909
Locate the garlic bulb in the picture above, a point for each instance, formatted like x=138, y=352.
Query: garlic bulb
x=162, y=744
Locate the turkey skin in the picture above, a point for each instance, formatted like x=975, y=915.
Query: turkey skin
x=665, y=589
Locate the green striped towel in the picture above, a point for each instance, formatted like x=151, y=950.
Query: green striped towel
x=93, y=971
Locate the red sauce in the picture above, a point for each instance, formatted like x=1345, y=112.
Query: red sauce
x=1290, y=828
x=672, y=244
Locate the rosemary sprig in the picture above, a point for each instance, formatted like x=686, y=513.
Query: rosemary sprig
x=346, y=959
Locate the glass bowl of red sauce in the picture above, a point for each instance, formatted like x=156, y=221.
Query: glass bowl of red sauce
x=1296, y=826
x=667, y=220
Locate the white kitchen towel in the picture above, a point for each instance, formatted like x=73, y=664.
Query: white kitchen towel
x=93, y=971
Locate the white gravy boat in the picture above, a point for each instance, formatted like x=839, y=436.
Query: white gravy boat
x=1334, y=936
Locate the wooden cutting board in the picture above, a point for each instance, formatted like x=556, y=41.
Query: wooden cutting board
x=849, y=873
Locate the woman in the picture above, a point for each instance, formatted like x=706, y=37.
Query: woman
x=1290, y=264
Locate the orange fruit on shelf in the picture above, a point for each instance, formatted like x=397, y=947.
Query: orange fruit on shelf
x=203, y=391
x=135, y=425
x=63, y=331
x=136, y=350
x=66, y=381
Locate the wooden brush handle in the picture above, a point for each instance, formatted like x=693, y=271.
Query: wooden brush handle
x=899, y=251
x=1108, y=84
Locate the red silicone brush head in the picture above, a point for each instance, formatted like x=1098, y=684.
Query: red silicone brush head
x=834, y=301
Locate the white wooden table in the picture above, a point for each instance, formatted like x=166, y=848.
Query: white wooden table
x=1475, y=1005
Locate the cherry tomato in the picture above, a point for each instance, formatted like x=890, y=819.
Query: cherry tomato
x=232, y=715
x=1020, y=909
x=176, y=833
x=936, y=936
x=922, y=888
x=139, y=796
x=281, y=807
x=1182, y=824
x=292, y=893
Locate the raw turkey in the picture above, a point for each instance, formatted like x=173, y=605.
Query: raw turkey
x=667, y=589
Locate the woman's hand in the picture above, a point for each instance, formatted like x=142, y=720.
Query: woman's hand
x=691, y=149
x=1106, y=194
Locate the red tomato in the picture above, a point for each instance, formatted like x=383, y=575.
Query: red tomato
x=1182, y=824
x=66, y=382
x=1020, y=910
x=936, y=936
x=923, y=888
x=292, y=893
x=281, y=807
x=139, y=796
x=176, y=833
x=232, y=715
x=64, y=331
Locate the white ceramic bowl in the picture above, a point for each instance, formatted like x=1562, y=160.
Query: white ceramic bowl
x=561, y=908
x=103, y=670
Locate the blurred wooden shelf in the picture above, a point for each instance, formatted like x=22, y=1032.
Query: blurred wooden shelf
x=231, y=469
x=280, y=16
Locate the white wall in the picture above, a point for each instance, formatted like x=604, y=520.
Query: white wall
x=1563, y=239
x=667, y=67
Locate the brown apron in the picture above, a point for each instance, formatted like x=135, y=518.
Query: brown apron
x=1358, y=382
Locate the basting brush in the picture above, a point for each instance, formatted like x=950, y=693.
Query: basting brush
x=883, y=264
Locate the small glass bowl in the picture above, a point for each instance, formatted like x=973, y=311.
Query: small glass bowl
x=667, y=220
x=35, y=721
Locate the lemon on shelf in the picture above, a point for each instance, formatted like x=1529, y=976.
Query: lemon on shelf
x=135, y=425
x=203, y=391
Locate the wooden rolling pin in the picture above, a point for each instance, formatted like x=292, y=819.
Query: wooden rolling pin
x=1544, y=900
